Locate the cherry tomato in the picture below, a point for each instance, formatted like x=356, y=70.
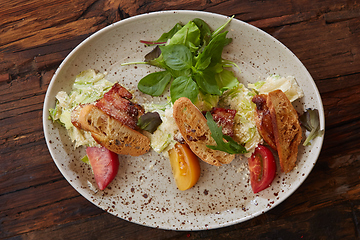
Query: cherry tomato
x=185, y=166
x=262, y=168
x=105, y=165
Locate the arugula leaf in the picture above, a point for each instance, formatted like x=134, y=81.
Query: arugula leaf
x=214, y=50
x=177, y=57
x=217, y=31
x=230, y=146
x=183, y=87
x=155, y=83
x=205, y=32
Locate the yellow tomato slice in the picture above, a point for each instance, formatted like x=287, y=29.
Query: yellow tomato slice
x=185, y=166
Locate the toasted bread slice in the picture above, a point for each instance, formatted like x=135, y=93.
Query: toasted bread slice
x=109, y=132
x=194, y=129
x=286, y=127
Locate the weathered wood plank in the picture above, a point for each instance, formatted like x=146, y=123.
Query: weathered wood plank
x=28, y=172
x=104, y=226
x=37, y=35
x=337, y=82
x=25, y=123
x=271, y=227
x=342, y=106
x=43, y=215
x=22, y=19
x=328, y=53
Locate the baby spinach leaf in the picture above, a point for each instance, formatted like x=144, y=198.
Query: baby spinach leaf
x=177, y=57
x=155, y=83
x=230, y=145
x=183, y=87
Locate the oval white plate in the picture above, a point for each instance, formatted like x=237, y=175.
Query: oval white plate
x=144, y=191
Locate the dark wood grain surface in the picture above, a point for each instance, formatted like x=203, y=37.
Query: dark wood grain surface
x=36, y=202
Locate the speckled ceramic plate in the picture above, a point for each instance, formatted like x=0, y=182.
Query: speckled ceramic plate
x=144, y=191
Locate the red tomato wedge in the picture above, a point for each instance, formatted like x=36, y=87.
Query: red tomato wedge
x=105, y=165
x=262, y=168
x=185, y=166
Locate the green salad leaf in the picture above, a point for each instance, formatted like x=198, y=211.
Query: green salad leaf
x=226, y=80
x=214, y=50
x=207, y=82
x=166, y=36
x=189, y=36
x=183, y=87
x=222, y=27
x=230, y=145
x=177, y=57
x=155, y=83
x=205, y=32
x=149, y=121
x=191, y=59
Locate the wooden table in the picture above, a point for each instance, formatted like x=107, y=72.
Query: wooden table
x=36, y=202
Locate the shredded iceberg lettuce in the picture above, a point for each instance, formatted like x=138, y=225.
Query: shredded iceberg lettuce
x=245, y=131
x=205, y=102
x=162, y=139
x=155, y=107
x=286, y=84
x=88, y=87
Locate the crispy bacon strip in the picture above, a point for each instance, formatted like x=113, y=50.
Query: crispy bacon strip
x=120, y=103
x=224, y=118
x=263, y=120
x=119, y=90
x=116, y=104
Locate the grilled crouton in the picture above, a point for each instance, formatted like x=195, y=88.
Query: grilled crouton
x=195, y=131
x=110, y=132
x=286, y=127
